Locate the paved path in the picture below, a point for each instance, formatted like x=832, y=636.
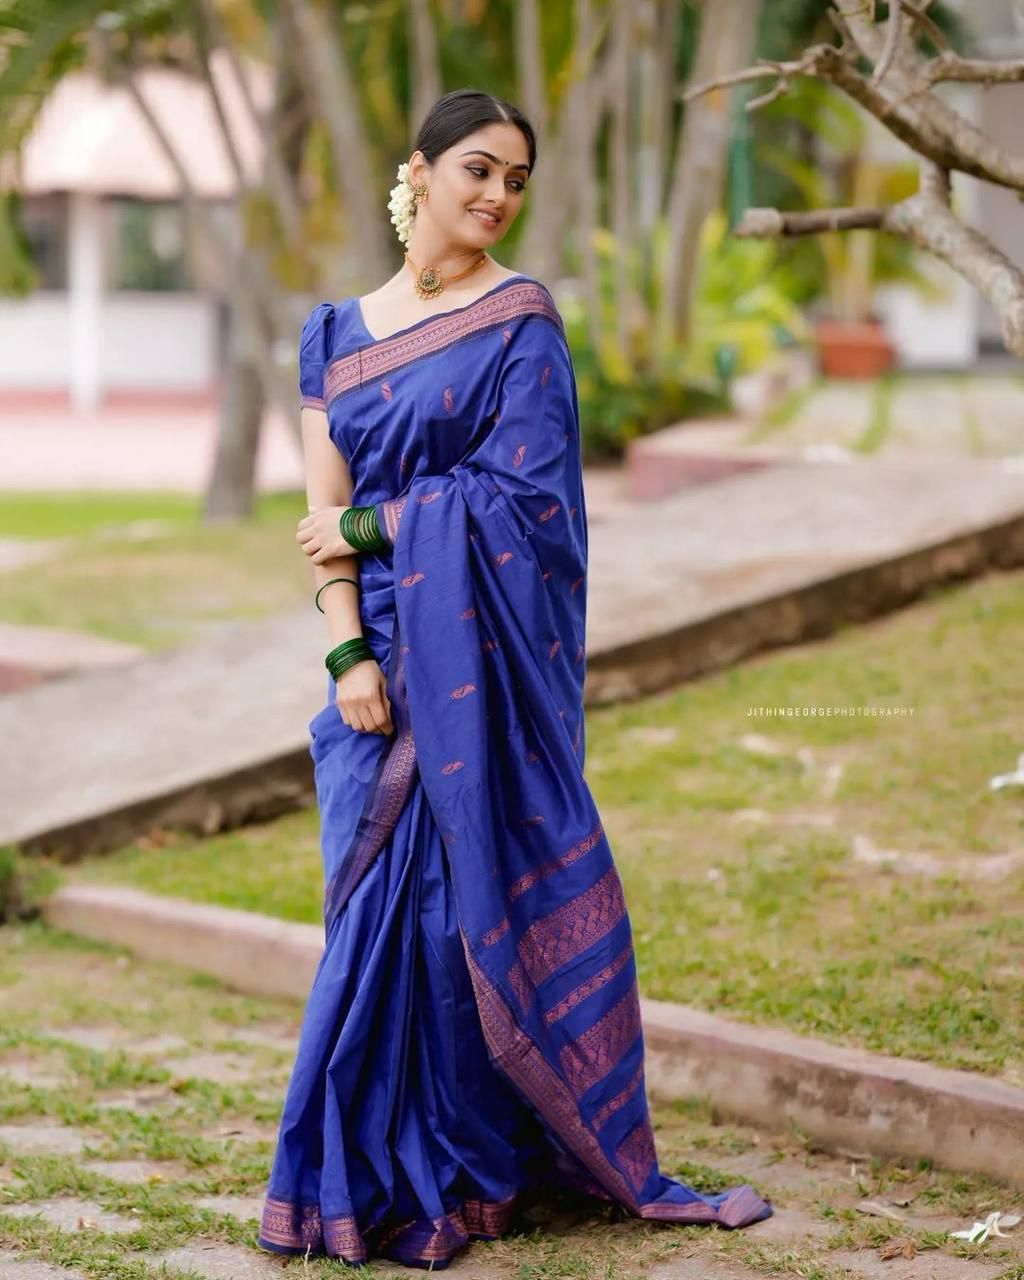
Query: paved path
x=141, y=1108
x=913, y=415
x=131, y=449
x=675, y=587
x=170, y=448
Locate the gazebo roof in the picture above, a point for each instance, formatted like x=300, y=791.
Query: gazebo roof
x=91, y=137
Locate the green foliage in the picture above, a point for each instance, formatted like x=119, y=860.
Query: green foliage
x=614, y=411
x=743, y=301
x=741, y=307
x=23, y=883
x=18, y=274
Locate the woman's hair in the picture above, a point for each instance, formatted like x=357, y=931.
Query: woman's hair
x=462, y=112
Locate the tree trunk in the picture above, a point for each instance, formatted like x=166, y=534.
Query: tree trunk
x=728, y=30
x=655, y=38
x=323, y=68
x=620, y=171
x=540, y=249
x=583, y=117
x=424, y=67
x=230, y=493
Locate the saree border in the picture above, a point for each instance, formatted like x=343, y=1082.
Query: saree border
x=288, y=1226
x=291, y=1227
x=516, y=1054
x=491, y=311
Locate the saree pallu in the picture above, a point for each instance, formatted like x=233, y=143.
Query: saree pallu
x=473, y=1030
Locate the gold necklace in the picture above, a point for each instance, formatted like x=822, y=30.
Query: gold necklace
x=429, y=282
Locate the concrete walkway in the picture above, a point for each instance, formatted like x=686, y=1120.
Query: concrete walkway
x=935, y=414
x=143, y=448
x=170, y=448
x=215, y=734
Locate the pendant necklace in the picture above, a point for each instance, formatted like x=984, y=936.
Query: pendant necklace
x=429, y=282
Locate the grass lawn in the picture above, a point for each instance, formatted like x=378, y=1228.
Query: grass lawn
x=134, y=1062
x=735, y=837
x=143, y=569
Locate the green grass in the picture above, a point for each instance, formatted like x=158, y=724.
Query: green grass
x=755, y=915
x=274, y=867
x=205, y=1138
x=74, y=515
x=875, y=434
x=123, y=577
x=785, y=413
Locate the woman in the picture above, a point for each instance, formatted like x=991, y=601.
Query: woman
x=473, y=1031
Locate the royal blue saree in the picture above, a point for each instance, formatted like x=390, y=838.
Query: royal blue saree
x=473, y=1030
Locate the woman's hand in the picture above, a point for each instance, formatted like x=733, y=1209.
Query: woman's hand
x=362, y=698
x=319, y=536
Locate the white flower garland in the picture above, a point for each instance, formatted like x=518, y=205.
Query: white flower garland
x=402, y=204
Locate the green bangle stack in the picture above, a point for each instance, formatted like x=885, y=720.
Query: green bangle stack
x=346, y=655
x=360, y=529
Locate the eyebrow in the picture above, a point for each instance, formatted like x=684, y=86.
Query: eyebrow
x=495, y=159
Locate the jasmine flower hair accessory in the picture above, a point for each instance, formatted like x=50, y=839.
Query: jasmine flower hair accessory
x=404, y=198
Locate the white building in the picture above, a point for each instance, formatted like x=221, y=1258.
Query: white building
x=123, y=308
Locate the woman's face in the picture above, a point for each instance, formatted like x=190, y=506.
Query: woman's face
x=485, y=171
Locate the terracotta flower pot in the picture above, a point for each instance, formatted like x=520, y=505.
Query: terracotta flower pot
x=853, y=348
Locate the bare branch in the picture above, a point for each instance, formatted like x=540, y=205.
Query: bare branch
x=281, y=185
x=893, y=31
x=951, y=66
x=926, y=220
x=261, y=296
x=919, y=16
x=763, y=67
x=201, y=32
x=765, y=224
x=927, y=125
x=763, y=99
x=934, y=183
x=955, y=141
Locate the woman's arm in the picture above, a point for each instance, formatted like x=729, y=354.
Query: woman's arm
x=328, y=484
x=361, y=690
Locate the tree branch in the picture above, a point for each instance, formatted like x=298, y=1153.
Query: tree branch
x=951, y=66
x=926, y=220
x=919, y=16
x=763, y=67
x=927, y=125
x=261, y=293
x=766, y=224
x=957, y=142
x=893, y=31
x=281, y=186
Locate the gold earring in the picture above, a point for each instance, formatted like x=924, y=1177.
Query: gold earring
x=419, y=192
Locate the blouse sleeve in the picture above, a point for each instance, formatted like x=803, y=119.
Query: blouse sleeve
x=315, y=343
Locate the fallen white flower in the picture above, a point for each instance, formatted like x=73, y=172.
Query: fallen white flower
x=1015, y=779
x=981, y=1231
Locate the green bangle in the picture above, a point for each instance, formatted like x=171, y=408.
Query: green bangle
x=316, y=598
x=359, y=528
x=338, y=669
x=347, y=654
